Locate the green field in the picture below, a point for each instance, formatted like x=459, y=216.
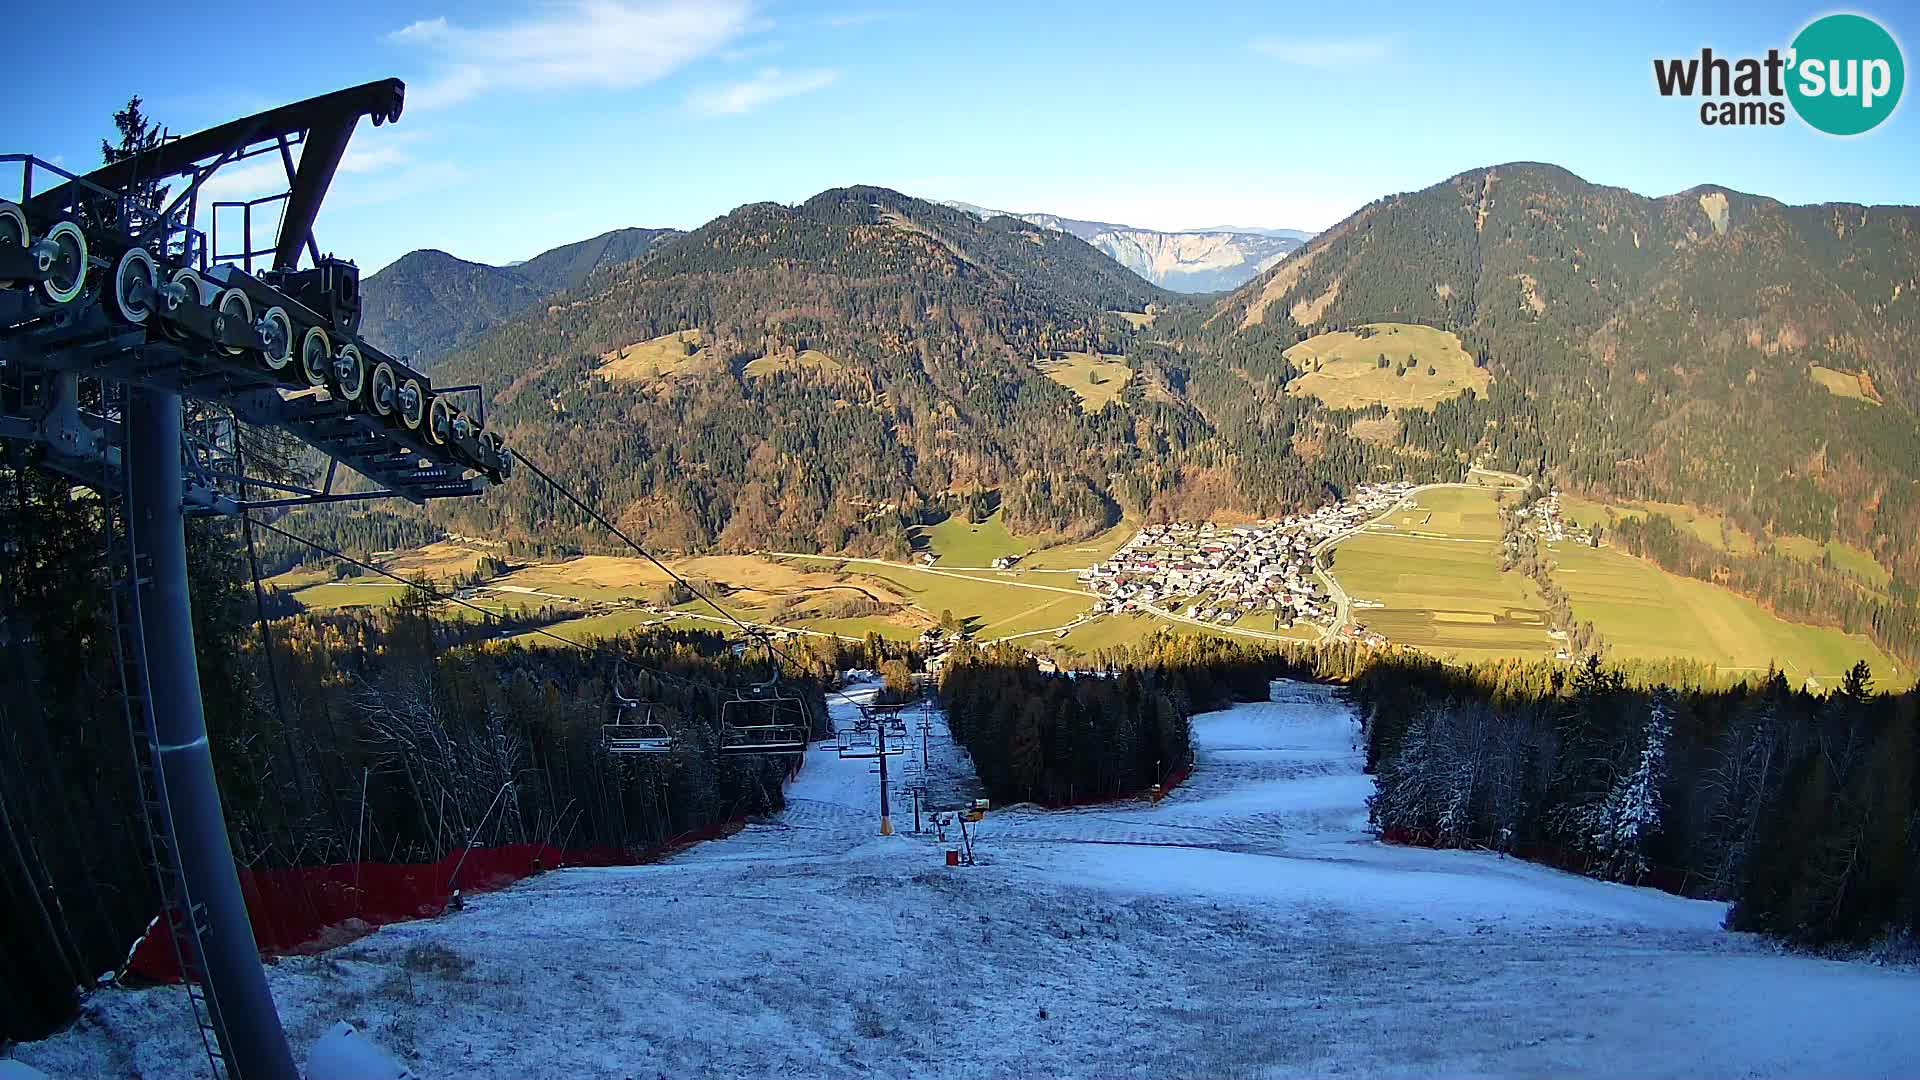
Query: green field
x=808, y=358
x=657, y=358
x=1444, y=596
x=1450, y=597
x=979, y=600
x=1713, y=529
x=1842, y=384
x=589, y=627
x=1095, y=379
x=1710, y=528
x=1080, y=554
x=959, y=542
x=355, y=592
x=1343, y=370
x=1856, y=561
x=1455, y=512
x=1644, y=612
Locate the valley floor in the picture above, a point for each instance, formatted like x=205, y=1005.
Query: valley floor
x=1247, y=927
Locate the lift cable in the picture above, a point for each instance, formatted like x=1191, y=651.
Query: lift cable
x=750, y=631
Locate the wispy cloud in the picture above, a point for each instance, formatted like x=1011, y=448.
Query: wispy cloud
x=770, y=85
x=392, y=152
x=1325, y=52
x=605, y=44
x=855, y=18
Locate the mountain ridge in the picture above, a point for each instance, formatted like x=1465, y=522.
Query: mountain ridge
x=428, y=303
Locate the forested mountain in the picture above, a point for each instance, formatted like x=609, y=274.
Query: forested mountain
x=1654, y=348
x=1190, y=261
x=428, y=303
x=568, y=265
x=858, y=357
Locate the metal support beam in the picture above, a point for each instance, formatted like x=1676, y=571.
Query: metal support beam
x=230, y=959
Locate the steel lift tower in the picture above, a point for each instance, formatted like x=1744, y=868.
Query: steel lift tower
x=120, y=315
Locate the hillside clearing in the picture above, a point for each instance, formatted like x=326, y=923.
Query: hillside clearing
x=1844, y=384
x=1343, y=370
x=657, y=359
x=807, y=359
x=1097, y=380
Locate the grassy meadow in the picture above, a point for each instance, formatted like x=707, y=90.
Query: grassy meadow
x=1095, y=379
x=1644, y=612
x=1843, y=384
x=1343, y=369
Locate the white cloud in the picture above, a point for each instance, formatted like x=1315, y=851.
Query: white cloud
x=1325, y=52
x=391, y=152
x=770, y=85
x=605, y=44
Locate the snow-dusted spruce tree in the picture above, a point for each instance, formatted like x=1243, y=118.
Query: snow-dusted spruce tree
x=1406, y=785
x=1621, y=810
x=1633, y=806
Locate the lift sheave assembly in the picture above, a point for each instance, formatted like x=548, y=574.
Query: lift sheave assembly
x=134, y=345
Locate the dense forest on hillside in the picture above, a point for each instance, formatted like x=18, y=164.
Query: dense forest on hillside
x=1055, y=740
x=1799, y=808
x=428, y=303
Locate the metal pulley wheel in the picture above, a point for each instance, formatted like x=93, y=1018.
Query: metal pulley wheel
x=63, y=258
x=234, y=307
x=316, y=355
x=276, y=338
x=135, y=285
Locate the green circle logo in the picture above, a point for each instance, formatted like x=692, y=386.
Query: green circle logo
x=1847, y=74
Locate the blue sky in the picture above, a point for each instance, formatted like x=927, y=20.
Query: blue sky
x=529, y=126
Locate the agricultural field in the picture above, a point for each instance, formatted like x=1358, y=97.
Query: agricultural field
x=1443, y=593
x=1844, y=384
x=1343, y=370
x=1713, y=529
x=1644, y=612
x=353, y=592
x=442, y=561
x=657, y=359
x=1094, y=378
x=1080, y=554
x=959, y=542
x=1455, y=513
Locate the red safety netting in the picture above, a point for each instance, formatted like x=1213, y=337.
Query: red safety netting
x=306, y=908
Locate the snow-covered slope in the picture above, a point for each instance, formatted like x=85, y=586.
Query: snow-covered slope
x=1247, y=927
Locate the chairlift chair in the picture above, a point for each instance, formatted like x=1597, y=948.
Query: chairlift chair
x=635, y=729
x=762, y=719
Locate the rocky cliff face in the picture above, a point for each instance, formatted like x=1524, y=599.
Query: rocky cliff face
x=1200, y=261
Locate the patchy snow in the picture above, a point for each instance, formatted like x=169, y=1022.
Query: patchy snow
x=1247, y=927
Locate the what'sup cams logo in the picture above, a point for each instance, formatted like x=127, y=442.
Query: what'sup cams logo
x=1843, y=75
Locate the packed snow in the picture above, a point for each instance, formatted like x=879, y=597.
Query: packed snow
x=1248, y=926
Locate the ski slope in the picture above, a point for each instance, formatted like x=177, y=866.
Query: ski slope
x=1248, y=927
